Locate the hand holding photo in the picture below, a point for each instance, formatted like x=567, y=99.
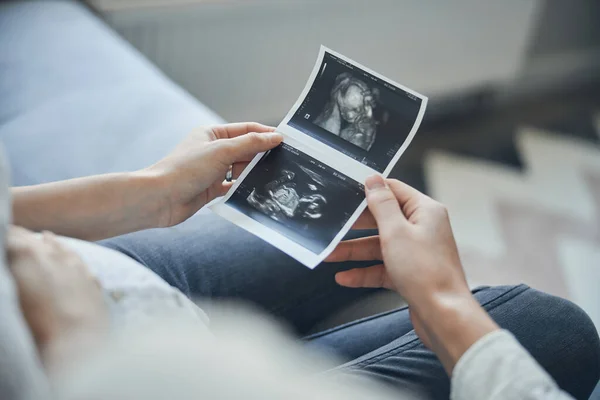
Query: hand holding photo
x=348, y=118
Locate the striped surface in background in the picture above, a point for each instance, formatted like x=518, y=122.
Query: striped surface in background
x=539, y=224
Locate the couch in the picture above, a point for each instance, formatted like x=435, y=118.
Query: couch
x=78, y=100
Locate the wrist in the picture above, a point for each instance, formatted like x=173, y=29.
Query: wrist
x=453, y=322
x=154, y=195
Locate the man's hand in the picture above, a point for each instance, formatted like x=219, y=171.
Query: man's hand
x=60, y=300
x=193, y=174
x=421, y=262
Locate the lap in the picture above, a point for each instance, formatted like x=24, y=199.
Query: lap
x=558, y=334
x=208, y=257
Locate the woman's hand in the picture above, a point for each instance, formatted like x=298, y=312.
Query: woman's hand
x=61, y=301
x=415, y=241
x=421, y=262
x=194, y=173
x=165, y=194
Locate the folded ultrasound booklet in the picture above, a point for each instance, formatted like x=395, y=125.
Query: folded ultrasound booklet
x=303, y=196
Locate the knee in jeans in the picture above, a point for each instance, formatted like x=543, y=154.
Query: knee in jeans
x=561, y=329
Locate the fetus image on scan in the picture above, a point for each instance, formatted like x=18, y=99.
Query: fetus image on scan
x=290, y=196
x=349, y=113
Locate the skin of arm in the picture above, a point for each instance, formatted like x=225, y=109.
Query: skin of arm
x=164, y=194
x=92, y=208
x=421, y=262
x=451, y=324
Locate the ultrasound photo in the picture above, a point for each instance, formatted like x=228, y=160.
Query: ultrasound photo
x=349, y=113
x=357, y=113
x=298, y=196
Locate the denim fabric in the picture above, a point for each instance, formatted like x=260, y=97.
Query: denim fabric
x=209, y=257
x=557, y=333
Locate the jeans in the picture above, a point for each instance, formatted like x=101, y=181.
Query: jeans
x=208, y=257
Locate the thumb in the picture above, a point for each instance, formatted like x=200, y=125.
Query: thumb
x=245, y=147
x=383, y=204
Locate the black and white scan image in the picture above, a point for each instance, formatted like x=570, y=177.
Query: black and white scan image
x=280, y=200
x=298, y=196
x=357, y=113
x=349, y=113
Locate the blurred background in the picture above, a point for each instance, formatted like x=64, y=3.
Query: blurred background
x=249, y=59
x=510, y=139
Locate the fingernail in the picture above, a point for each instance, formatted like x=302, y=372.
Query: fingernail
x=275, y=136
x=375, y=182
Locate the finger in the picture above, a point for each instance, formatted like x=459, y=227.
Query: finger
x=363, y=249
x=225, y=186
x=383, y=205
x=245, y=147
x=17, y=234
x=405, y=193
x=18, y=240
x=18, y=230
x=49, y=239
x=365, y=221
x=370, y=277
x=53, y=248
x=238, y=168
x=61, y=250
x=410, y=199
x=240, y=128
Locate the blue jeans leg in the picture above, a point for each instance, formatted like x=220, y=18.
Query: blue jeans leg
x=208, y=257
x=558, y=334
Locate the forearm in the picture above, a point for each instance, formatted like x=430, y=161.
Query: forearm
x=91, y=208
x=482, y=360
x=453, y=322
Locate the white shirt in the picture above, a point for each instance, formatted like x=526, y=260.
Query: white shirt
x=133, y=293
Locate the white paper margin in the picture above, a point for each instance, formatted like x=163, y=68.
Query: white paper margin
x=288, y=246
x=340, y=161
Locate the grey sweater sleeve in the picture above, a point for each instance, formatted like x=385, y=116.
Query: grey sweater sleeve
x=21, y=373
x=497, y=367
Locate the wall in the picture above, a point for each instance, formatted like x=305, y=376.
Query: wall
x=563, y=53
x=566, y=26
x=250, y=59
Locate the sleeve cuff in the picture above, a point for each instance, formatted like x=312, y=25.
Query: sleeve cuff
x=497, y=366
